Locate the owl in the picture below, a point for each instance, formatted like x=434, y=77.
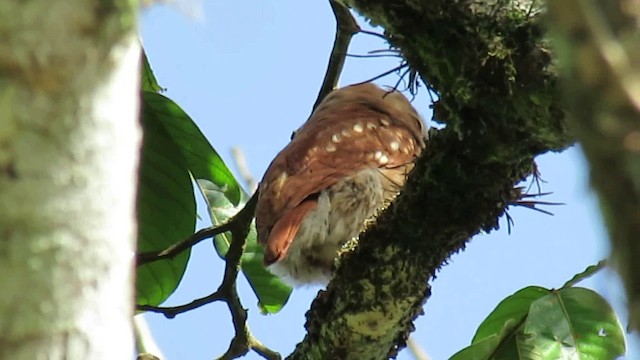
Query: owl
x=342, y=167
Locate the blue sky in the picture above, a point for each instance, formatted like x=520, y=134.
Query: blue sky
x=248, y=73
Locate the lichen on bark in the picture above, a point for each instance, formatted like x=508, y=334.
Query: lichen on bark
x=498, y=98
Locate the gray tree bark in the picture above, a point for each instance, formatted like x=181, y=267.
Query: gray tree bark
x=69, y=140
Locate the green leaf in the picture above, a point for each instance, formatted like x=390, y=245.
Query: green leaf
x=573, y=323
x=588, y=272
x=536, y=323
x=166, y=210
x=513, y=309
x=271, y=292
x=206, y=166
x=500, y=345
x=202, y=160
x=479, y=350
x=148, y=81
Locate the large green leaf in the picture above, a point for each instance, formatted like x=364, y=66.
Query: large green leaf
x=537, y=323
x=500, y=345
x=202, y=160
x=166, y=210
x=496, y=336
x=271, y=292
x=573, y=323
x=206, y=166
x=513, y=309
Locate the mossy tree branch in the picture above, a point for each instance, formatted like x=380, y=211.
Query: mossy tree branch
x=498, y=98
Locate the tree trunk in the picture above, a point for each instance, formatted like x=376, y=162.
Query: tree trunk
x=69, y=140
x=597, y=42
x=499, y=100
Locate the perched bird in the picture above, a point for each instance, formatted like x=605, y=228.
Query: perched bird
x=343, y=166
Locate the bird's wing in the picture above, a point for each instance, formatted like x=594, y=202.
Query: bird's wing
x=336, y=142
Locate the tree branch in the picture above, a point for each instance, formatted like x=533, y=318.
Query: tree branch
x=346, y=27
x=175, y=249
x=473, y=53
x=243, y=341
x=243, y=169
x=242, y=218
x=171, y=311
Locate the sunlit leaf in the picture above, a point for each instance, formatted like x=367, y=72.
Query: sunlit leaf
x=573, y=323
x=500, y=345
x=271, y=292
x=513, y=308
x=202, y=160
x=537, y=323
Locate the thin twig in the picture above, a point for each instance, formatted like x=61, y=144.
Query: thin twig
x=146, y=345
x=243, y=168
x=401, y=78
x=346, y=27
x=171, y=311
x=417, y=351
x=243, y=341
x=244, y=216
x=397, y=68
x=373, y=33
x=263, y=351
x=369, y=56
x=146, y=356
x=175, y=249
x=381, y=51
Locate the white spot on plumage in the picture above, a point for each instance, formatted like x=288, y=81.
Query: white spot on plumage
x=394, y=145
x=371, y=126
x=345, y=133
x=280, y=180
x=358, y=128
x=377, y=155
x=383, y=159
x=330, y=148
x=335, y=138
x=385, y=122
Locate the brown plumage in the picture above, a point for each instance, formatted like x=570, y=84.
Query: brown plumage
x=344, y=165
